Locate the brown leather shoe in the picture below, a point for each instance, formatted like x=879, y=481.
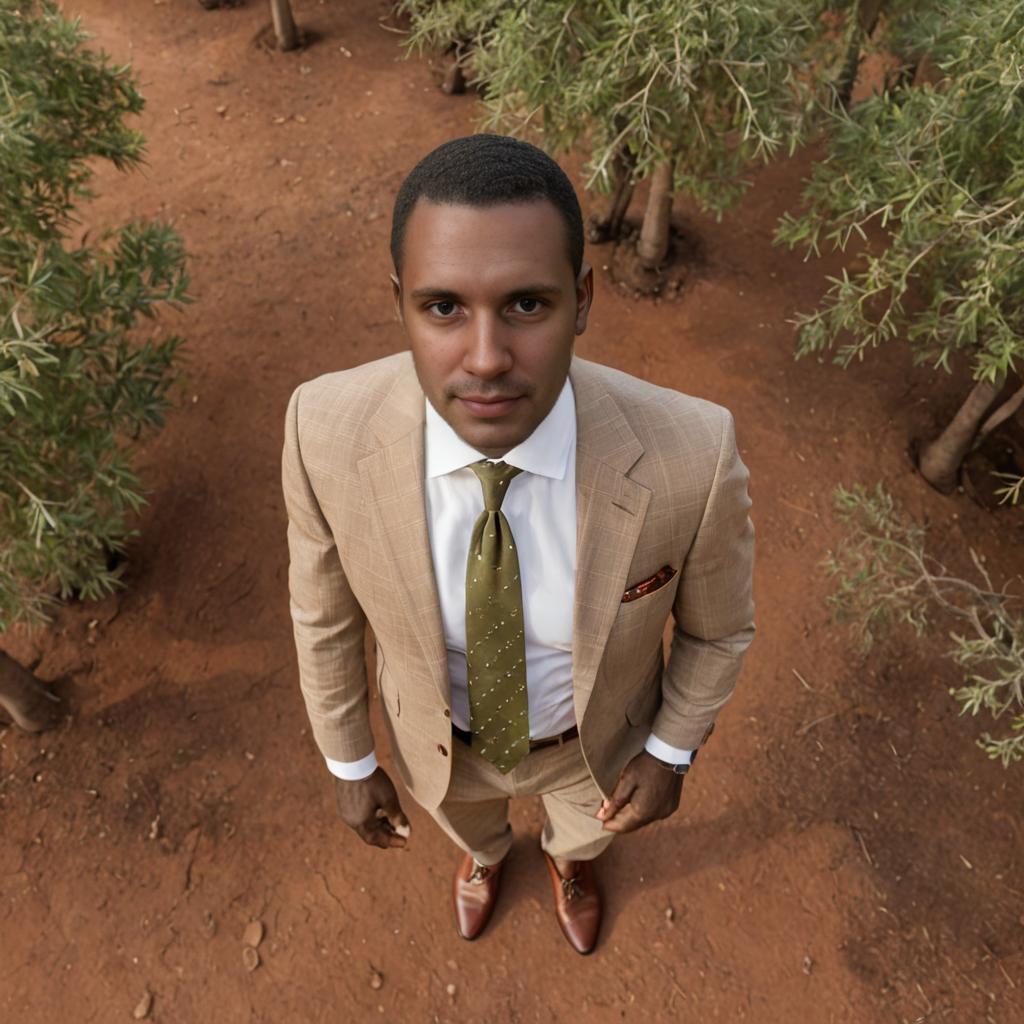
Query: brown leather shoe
x=474, y=893
x=577, y=904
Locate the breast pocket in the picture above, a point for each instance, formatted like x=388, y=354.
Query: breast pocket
x=637, y=632
x=650, y=585
x=651, y=608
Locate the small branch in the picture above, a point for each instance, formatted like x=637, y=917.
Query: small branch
x=806, y=685
x=1003, y=412
x=804, y=729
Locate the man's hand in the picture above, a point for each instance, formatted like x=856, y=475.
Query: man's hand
x=371, y=808
x=645, y=792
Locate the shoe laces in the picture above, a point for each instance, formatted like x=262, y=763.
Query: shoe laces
x=480, y=872
x=571, y=888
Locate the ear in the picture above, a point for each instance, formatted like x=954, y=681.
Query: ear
x=584, y=296
x=396, y=294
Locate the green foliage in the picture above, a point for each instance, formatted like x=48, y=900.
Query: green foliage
x=455, y=22
x=1014, y=489
x=76, y=383
x=941, y=166
x=710, y=86
x=884, y=577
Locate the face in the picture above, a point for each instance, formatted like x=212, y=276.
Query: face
x=491, y=308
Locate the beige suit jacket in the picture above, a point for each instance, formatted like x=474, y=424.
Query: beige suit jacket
x=659, y=482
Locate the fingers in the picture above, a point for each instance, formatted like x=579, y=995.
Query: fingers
x=371, y=809
x=394, y=820
x=380, y=833
x=389, y=807
x=624, y=789
x=392, y=810
x=375, y=835
x=387, y=839
x=627, y=820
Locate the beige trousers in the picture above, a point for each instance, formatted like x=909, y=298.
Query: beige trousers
x=474, y=811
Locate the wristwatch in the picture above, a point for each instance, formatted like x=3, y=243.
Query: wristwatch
x=679, y=769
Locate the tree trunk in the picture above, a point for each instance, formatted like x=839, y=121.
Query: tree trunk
x=653, y=245
x=454, y=83
x=609, y=227
x=620, y=205
x=31, y=706
x=866, y=13
x=939, y=461
x=284, y=24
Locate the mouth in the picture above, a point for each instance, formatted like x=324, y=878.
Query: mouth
x=490, y=408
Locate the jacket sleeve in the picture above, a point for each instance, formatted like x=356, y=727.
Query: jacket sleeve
x=328, y=623
x=713, y=611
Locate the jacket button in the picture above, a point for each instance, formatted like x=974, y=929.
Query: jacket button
x=441, y=750
x=447, y=713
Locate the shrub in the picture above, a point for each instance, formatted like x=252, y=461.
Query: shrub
x=78, y=382
x=885, y=576
x=688, y=94
x=940, y=164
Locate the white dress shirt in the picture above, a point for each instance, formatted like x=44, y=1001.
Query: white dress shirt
x=540, y=506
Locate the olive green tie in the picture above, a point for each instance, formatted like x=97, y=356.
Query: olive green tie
x=495, y=648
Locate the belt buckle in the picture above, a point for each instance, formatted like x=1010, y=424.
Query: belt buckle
x=550, y=741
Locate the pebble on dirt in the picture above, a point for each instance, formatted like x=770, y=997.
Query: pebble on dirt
x=376, y=979
x=250, y=958
x=253, y=934
x=145, y=1004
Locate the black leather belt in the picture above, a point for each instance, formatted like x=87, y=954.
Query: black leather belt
x=548, y=741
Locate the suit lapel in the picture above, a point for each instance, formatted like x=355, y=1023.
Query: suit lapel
x=392, y=477
x=610, y=510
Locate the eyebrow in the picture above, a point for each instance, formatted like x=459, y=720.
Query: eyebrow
x=446, y=293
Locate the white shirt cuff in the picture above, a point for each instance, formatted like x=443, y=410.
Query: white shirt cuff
x=662, y=751
x=353, y=771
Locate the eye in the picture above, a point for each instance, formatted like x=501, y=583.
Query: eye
x=528, y=304
x=443, y=308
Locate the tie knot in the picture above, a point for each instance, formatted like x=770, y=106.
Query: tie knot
x=494, y=476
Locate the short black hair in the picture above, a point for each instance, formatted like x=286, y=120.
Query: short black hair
x=486, y=170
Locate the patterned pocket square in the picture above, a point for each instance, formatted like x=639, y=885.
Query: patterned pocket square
x=652, y=583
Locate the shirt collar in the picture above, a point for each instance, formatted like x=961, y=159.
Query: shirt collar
x=545, y=451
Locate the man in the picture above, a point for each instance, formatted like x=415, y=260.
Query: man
x=516, y=524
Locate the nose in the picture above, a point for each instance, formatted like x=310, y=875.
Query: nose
x=487, y=353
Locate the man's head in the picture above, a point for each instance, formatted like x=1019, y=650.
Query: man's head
x=490, y=283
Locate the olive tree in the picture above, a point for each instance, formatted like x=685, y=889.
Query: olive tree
x=886, y=576
x=80, y=378
x=684, y=93
x=454, y=28
x=938, y=162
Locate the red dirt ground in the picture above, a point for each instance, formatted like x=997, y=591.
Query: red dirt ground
x=843, y=853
